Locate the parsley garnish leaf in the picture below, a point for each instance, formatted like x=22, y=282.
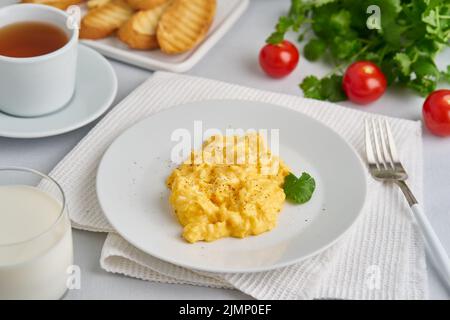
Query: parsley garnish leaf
x=299, y=190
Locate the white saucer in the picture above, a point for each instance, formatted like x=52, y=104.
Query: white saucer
x=96, y=89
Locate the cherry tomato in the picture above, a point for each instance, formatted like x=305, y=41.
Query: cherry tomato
x=278, y=60
x=436, y=112
x=363, y=82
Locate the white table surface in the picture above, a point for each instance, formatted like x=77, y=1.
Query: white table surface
x=233, y=59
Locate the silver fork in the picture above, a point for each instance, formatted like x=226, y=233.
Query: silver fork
x=385, y=165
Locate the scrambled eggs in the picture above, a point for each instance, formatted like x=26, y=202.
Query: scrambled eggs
x=233, y=187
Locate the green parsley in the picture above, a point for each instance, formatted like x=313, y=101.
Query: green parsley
x=410, y=35
x=314, y=49
x=299, y=190
x=328, y=88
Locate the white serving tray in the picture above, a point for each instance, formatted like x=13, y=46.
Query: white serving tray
x=228, y=11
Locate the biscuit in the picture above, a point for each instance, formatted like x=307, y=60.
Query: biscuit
x=60, y=4
x=102, y=21
x=145, y=4
x=184, y=24
x=91, y=4
x=140, y=31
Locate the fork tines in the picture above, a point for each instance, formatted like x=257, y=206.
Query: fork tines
x=380, y=145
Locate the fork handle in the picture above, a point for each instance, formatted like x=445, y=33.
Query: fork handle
x=435, y=247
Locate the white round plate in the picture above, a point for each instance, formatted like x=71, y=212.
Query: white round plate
x=96, y=88
x=133, y=195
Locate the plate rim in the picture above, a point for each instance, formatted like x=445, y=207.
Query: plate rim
x=78, y=124
x=237, y=270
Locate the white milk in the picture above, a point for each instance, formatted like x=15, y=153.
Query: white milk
x=35, y=244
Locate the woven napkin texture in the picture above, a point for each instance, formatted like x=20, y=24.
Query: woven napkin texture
x=381, y=257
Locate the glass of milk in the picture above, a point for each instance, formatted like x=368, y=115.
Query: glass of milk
x=36, y=248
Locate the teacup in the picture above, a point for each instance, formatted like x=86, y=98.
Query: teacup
x=39, y=85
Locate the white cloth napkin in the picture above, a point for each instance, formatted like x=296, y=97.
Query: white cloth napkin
x=381, y=257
